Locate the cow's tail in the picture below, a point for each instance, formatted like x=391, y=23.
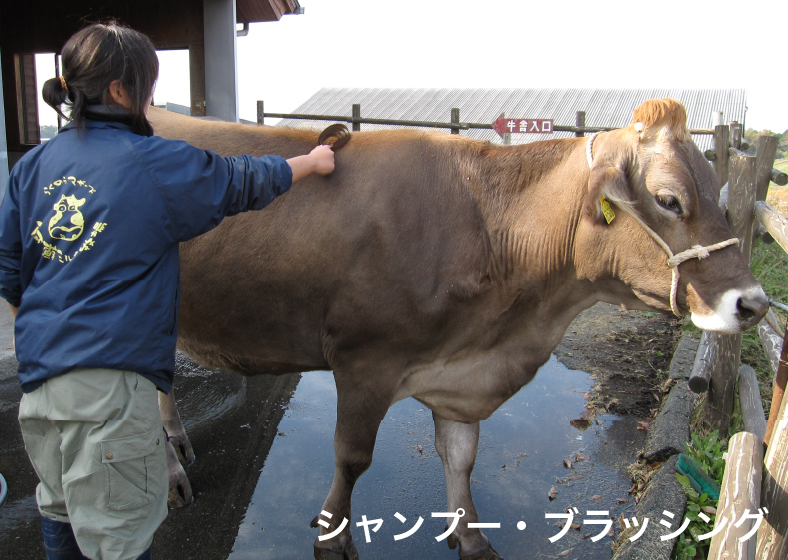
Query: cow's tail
x=336, y=136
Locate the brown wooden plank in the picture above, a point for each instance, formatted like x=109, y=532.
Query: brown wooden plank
x=721, y=144
x=773, y=532
x=778, y=394
x=727, y=348
x=580, y=121
x=771, y=340
x=701, y=368
x=751, y=404
x=774, y=222
x=765, y=152
x=741, y=490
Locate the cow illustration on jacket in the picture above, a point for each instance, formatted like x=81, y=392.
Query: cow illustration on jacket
x=67, y=223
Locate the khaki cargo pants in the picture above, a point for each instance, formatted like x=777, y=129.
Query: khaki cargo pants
x=95, y=439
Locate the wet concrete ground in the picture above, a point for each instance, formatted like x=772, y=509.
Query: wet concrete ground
x=264, y=464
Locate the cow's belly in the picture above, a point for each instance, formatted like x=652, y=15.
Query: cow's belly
x=472, y=388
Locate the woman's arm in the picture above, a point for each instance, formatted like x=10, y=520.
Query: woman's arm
x=319, y=161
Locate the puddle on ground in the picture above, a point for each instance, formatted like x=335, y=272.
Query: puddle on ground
x=521, y=455
x=206, y=399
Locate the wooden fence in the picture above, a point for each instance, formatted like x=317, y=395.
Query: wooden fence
x=454, y=125
x=755, y=483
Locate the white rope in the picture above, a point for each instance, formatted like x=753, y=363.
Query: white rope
x=697, y=251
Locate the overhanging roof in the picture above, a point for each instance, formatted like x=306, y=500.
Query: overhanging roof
x=252, y=11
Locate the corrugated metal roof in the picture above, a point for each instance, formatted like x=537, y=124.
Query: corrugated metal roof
x=603, y=107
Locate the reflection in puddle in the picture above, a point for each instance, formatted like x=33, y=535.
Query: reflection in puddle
x=521, y=455
x=201, y=397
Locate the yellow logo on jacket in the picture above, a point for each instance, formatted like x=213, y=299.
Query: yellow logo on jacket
x=67, y=224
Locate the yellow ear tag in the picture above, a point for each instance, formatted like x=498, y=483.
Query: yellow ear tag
x=607, y=210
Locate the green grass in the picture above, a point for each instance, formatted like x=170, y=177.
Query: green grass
x=707, y=451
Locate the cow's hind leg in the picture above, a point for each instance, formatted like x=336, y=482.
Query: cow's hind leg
x=179, y=452
x=360, y=409
x=457, y=444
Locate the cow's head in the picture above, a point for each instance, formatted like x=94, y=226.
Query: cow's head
x=654, y=178
x=67, y=223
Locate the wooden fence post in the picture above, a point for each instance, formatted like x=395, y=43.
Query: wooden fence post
x=260, y=113
x=721, y=145
x=751, y=404
x=773, y=532
x=736, y=134
x=727, y=348
x=455, y=119
x=779, y=391
x=765, y=152
x=741, y=489
x=580, y=121
x=356, y=115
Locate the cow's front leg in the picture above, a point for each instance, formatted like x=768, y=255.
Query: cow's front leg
x=359, y=413
x=457, y=444
x=179, y=452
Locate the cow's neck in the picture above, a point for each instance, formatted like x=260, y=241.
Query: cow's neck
x=532, y=213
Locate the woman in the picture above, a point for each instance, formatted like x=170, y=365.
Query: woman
x=89, y=234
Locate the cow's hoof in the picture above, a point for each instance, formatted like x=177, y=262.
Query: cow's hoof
x=349, y=553
x=452, y=541
x=489, y=554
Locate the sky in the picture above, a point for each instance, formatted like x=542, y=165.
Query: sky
x=507, y=44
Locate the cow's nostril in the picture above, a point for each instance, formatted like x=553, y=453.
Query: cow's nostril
x=751, y=309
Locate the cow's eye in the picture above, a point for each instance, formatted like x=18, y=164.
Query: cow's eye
x=61, y=208
x=669, y=202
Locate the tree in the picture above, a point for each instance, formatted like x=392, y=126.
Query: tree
x=48, y=131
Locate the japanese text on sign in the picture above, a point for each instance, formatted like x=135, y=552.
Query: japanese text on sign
x=504, y=125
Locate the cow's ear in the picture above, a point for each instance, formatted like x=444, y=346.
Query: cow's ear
x=607, y=185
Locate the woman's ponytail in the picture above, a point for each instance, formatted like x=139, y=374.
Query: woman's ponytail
x=55, y=94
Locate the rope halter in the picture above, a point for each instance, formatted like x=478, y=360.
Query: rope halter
x=697, y=251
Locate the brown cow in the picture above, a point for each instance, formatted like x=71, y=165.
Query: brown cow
x=446, y=269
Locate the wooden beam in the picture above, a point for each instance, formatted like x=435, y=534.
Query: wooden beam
x=727, y=348
x=765, y=152
x=771, y=340
x=701, y=369
x=721, y=144
x=773, y=532
x=774, y=222
x=780, y=381
x=580, y=121
x=751, y=404
x=741, y=490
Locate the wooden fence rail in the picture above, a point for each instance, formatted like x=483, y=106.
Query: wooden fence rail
x=741, y=491
x=454, y=124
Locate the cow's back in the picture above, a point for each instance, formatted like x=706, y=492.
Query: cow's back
x=363, y=255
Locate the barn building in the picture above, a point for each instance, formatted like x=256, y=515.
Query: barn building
x=602, y=107
x=207, y=28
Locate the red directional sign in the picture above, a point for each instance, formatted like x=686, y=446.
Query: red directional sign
x=533, y=126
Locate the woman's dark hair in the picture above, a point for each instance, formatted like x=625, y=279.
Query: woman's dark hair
x=92, y=59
